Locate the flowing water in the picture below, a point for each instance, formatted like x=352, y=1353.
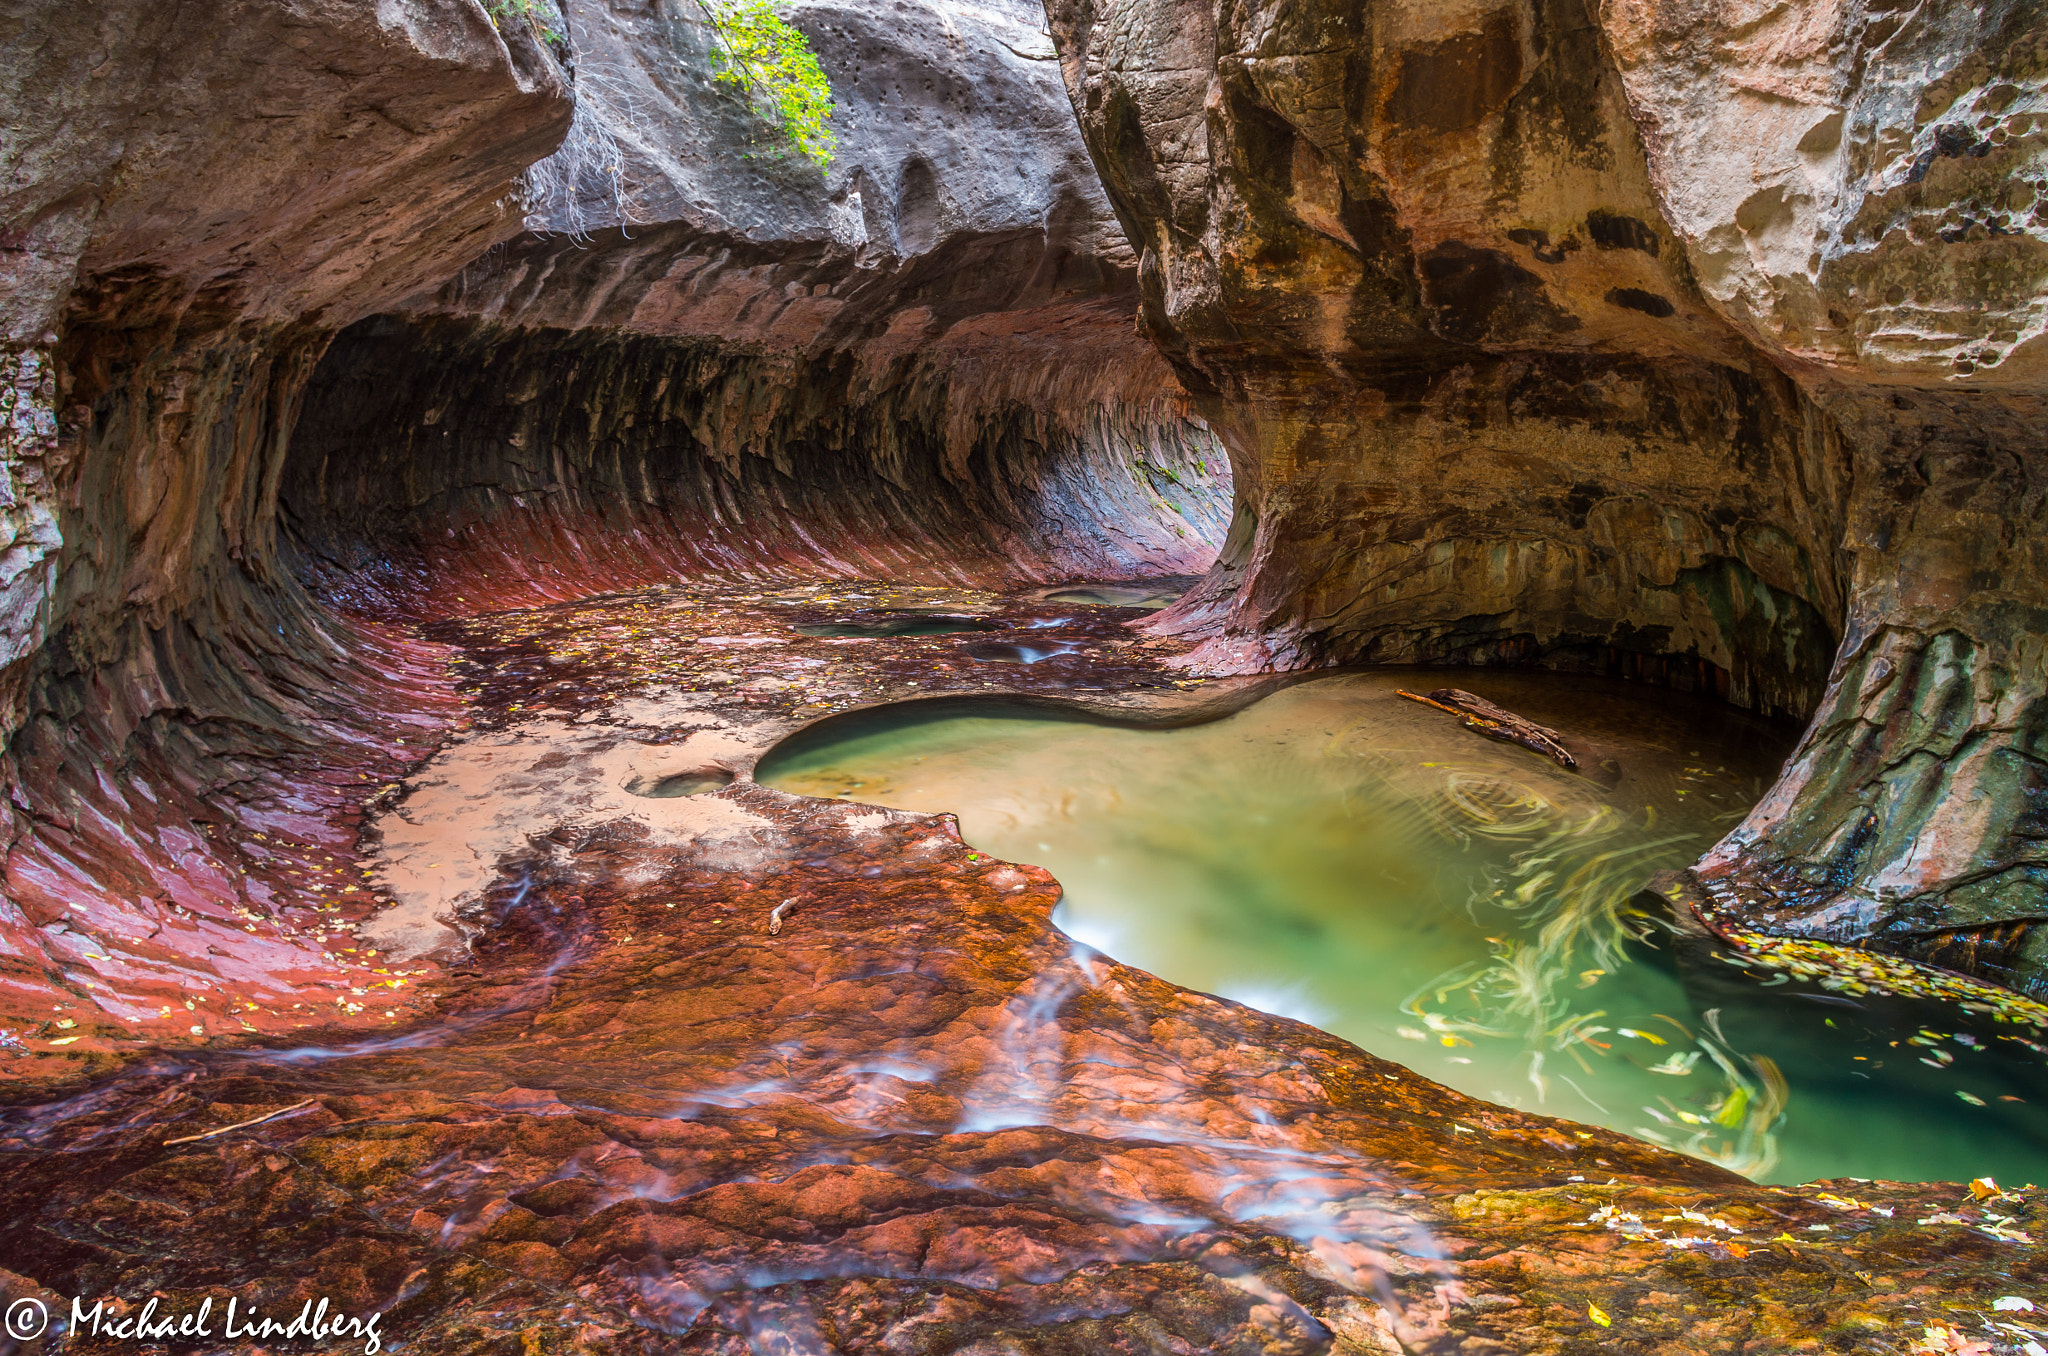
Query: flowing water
x=1341, y=855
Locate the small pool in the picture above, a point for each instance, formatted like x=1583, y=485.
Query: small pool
x=1118, y=595
x=1337, y=854
x=904, y=623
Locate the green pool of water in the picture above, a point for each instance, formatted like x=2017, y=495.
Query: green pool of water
x=1338, y=854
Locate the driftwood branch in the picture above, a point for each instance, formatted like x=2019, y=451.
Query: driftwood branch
x=1477, y=713
x=243, y=1125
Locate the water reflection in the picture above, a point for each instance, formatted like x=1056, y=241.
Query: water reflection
x=1336, y=854
x=1119, y=595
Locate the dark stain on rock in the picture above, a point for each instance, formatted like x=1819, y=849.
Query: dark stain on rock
x=1129, y=172
x=1538, y=243
x=917, y=208
x=1262, y=140
x=1453, y=85
x=1841, y=868
x=1563, y=101
x=1636, y=299
x=1952, y=141
x=1580, y=502
x=1477, y=294
x=1997, y=951
x=1612, y=231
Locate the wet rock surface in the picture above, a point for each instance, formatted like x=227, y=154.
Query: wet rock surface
x=189, y=740
x=833, y=1082
x=182, y=815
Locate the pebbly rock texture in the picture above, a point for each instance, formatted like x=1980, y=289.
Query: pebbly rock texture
x=1860, y=190
x=1666, y=339
x=188, y=743
x=950, y=123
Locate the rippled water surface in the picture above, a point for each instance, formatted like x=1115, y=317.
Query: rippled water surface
x=1339, y=854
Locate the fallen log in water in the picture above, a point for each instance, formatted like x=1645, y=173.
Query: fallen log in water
x=1477, y=713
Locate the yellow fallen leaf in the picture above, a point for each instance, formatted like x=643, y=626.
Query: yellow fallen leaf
x=1599, y=1315
x=64, y=1040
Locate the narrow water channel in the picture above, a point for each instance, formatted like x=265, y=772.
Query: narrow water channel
x=1341, y=855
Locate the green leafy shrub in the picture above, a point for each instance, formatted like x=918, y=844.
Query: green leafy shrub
x=761, y=53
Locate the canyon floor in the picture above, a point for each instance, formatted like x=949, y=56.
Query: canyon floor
x=721, y=1069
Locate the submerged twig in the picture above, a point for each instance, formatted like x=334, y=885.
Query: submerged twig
x=775, y=918
x=243, y=1125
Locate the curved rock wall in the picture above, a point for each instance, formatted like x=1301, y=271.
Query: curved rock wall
x=919, y=363
x=175, y=261
x=1646, y=341
x=1409, y=261
x=1860, y=191
x=1691, y=343
x=509, y=466
x=943, y=381
x=189, y=738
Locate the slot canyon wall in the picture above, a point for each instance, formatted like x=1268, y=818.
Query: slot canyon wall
x=593, y=335
x=196, y=199
x=332, y=325
x=1619, y=341
x=1687, y=341
x=921, y=363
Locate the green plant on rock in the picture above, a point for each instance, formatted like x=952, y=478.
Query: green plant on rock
x=537, y=15
x=758, y=51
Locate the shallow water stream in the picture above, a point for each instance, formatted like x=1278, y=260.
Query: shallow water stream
x=1339, y=854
